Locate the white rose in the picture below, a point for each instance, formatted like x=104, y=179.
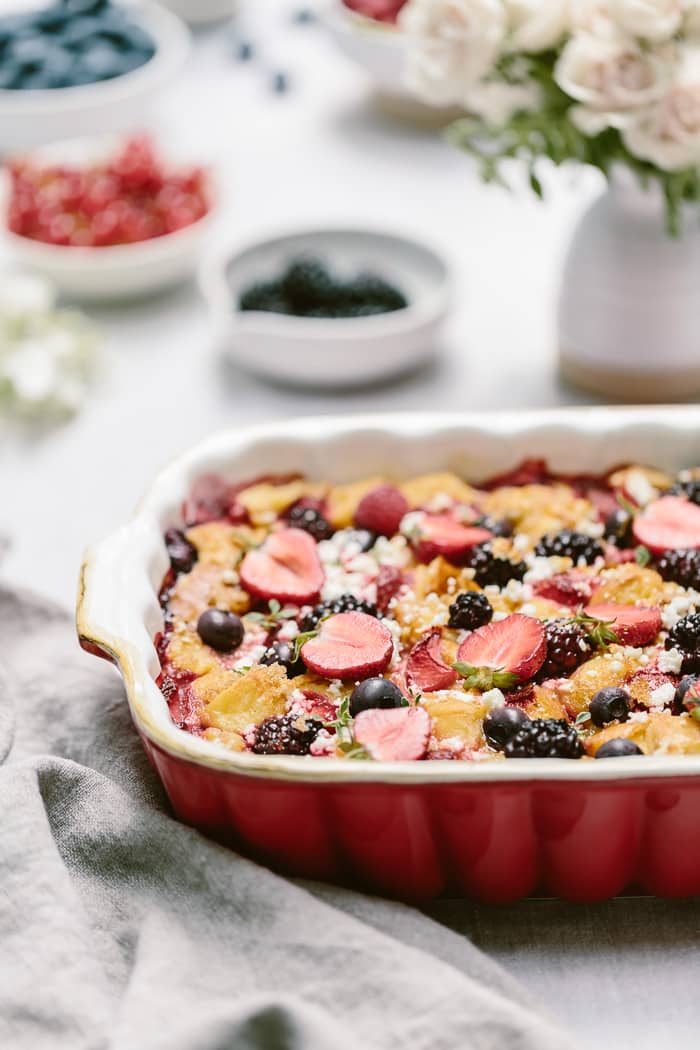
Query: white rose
x=612, y=78
x=536, y=25
x=667, y=133
x=654, y=20
x=450, y=46
x=591, y=16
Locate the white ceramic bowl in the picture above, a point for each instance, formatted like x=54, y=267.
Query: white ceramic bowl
x=322, y=352
x=111, y=272
x=31, y=118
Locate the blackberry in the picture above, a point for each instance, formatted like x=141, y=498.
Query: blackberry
x=492, y=570
x=264, y=295
x=469, y=611
x=685, y=636
x=310, y=520
x=618, y=528
x=569, y=544
x=498, y=526
x=681, y=566
x=286, y=735
x=689, y=489
x=545, y=738
x=345, y=603
x=369, y=290
x=568, y=646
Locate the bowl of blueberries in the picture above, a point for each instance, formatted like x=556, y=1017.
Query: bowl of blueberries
x=328, y=308
x=79, y=67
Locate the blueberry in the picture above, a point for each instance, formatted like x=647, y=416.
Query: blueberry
x=221, y=630
x=681, y=690
x=501, y=723
x=609, y=705
x=283, y=653
x=375, y=692
x=183, y=554
x=620, y=747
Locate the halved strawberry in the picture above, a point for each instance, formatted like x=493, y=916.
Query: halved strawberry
x=350, y=645
x=381, y=510
x=425, y=668
x=503, y=653
x=669, y=523
x=572, y=588
x=397, y=734
x=633, y=624
x=439, y=534
x=287, y=567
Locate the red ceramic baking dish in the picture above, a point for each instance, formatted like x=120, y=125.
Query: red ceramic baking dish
x=494, y=831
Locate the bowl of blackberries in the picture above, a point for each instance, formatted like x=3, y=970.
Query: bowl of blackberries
x=77, y=67
x=327, y=308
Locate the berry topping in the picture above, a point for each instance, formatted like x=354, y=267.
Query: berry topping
x=618, y=528
x=441, y=536
x=381, y=510
x=669, y=523
x=492, y=571
x=220, y=629
x=502, y=654
x=286, y=567
x=685, y=636
x=572, y=588
x=568, y=645
x=609, y=705
x=620, y=747
x=283, y=653
x=545, y=738
x=631, y=624
x=351, y=645
x=687, y=694
x=681, y=566
x=568, y=544
x=389, y=583
x=470, y=610
x=502, y=723
x=286, y=735
x=375, y=692
x=397, y=735
x=345, y=603
x=182, y=553
x=425, y=668
x=311, y=520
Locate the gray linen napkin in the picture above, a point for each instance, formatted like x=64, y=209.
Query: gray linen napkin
x=122, y=929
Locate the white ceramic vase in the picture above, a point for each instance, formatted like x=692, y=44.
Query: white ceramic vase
x=629, y=306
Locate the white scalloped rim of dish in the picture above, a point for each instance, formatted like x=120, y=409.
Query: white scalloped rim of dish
x=118, y=608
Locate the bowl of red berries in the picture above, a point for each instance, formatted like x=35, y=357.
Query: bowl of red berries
x=367, y=31
x=83, y=67
x=108, y=218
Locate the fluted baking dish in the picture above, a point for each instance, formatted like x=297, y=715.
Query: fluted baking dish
x=496, y=831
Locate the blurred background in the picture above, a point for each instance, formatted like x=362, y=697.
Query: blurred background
x=295, y=138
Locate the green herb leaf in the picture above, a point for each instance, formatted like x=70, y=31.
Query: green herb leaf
x=642, y=556
x=485, y=678
x=599, y=632
x=582, y=718
x=301, y=640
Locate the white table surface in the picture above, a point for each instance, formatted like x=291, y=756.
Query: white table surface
x=322, y=154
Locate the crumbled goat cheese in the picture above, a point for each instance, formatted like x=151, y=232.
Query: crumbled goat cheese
x=520, y=541
x=412, y=523
x=439, y=502
x=679, y=607
x=494, y=698
x=662, y=695
x=638, y=486
x=594, y=529
x=288, y=631
x=392, y=551
x=539, y=568
x=638, y=716
x=670, y=660
x=514, y=591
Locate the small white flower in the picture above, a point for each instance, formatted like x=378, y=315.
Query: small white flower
x=536, y=25
x=451, y=46
x=653, y=20
x=495, y=102
x=667, y=133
